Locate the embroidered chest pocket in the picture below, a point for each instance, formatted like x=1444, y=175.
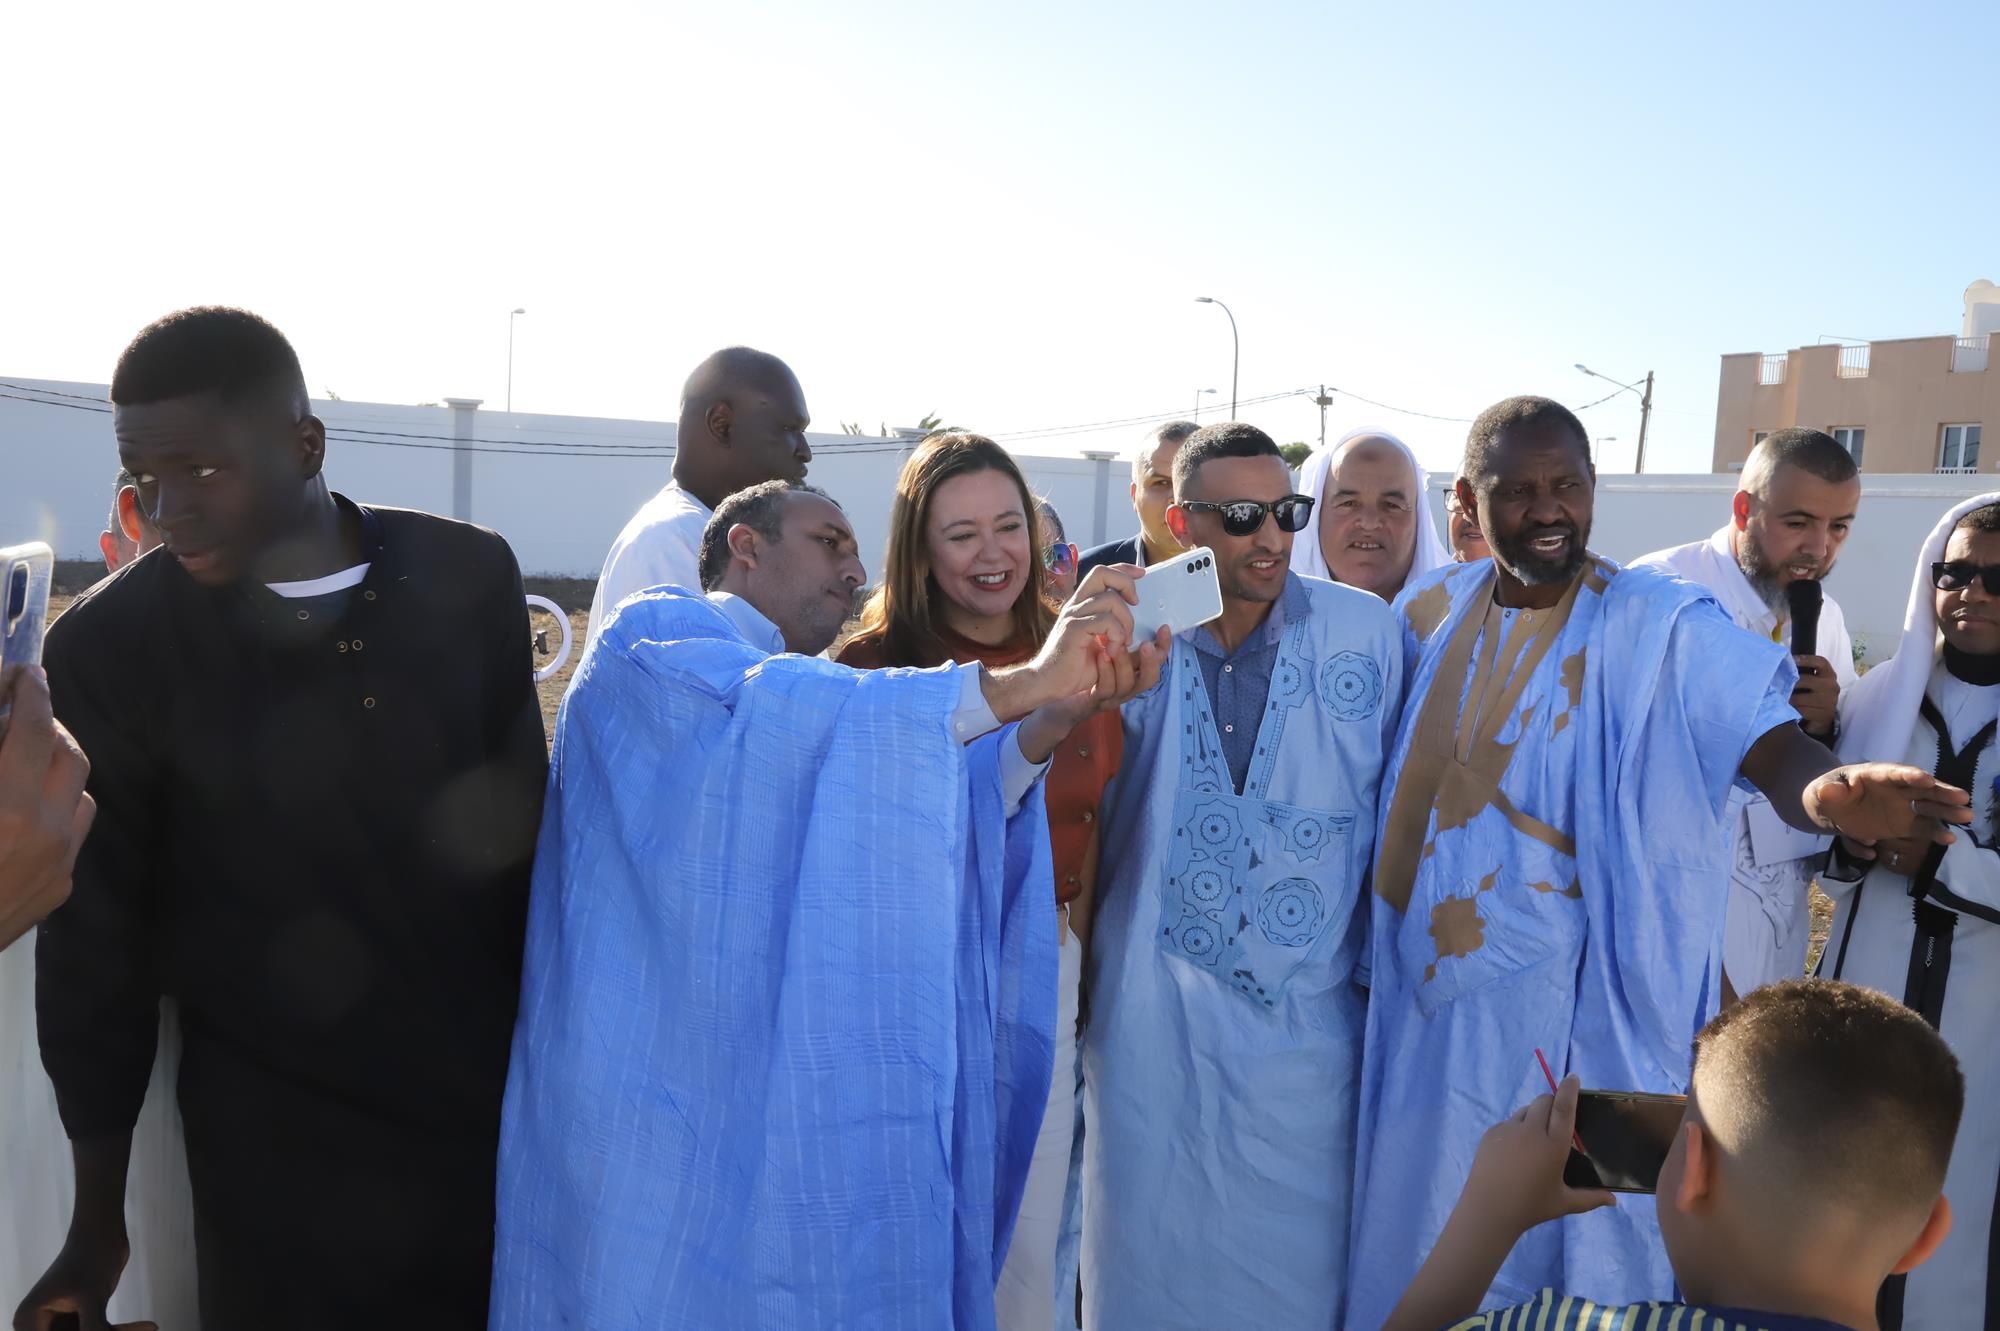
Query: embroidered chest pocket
x=1252, y=887
x=1489, y=905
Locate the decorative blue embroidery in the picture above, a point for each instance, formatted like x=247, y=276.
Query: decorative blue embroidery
x=1235, y=902
x=1292, y=912
x=1351, y=686
x=1216, y=823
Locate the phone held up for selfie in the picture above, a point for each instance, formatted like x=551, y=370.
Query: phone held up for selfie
x=1180, y=593
x=25, y=571
x=1626, y=1136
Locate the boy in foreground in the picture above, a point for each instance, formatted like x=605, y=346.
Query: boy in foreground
x=1808, y=1169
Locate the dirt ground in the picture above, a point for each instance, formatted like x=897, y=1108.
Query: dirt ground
x=573, y=594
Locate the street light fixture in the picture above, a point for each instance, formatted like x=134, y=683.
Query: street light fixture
x=510, y=356
x=1199, y=392
x=1235, y=349
x=1645, y=409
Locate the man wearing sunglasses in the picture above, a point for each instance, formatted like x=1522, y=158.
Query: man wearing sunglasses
x=1223, y=1051
x=1792, y=512
x=1554, y=845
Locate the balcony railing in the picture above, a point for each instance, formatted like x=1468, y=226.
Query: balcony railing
x=1955, y=471
x=1968, y=354
x=1853, y=363
x=1771, y=369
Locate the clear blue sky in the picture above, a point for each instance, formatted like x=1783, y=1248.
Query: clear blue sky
x=1003, y=214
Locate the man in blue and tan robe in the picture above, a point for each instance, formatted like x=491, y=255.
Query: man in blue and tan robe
x=1553, y=867
x=1223, y=1049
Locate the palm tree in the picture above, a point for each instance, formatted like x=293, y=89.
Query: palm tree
x=929, y=425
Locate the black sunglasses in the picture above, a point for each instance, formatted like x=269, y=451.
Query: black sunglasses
x=1954, y=575
x=1242, y=517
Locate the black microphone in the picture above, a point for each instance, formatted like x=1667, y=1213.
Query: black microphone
x=1804, y=596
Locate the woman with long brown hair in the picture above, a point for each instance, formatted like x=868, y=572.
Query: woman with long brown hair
x=965, y=580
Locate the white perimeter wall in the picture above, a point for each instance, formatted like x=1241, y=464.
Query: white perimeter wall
x=561, y=512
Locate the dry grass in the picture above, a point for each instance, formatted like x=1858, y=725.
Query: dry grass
x=551, y=690
x=1822, y=924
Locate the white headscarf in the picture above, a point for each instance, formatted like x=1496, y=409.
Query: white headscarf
x=1309, y=558
x=1878, y=714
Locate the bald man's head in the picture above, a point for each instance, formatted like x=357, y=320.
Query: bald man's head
x=743, y=422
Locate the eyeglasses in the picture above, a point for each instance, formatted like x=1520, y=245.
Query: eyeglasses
x=1243, y=517
x=1059, y=558
x=1955, y=575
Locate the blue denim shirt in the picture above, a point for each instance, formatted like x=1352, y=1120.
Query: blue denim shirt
x=1239, y=683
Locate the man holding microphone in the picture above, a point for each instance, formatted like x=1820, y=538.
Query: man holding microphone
x=1792, y=512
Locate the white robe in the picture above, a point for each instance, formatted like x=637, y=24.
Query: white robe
x=1768, y=926
x=37, y=1188
x=1873, y=931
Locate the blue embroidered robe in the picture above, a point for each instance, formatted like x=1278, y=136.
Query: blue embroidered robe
x=1223, y=1049
x=787, y=1015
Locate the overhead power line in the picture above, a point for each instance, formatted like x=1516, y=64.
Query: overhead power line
x=354, y=434
x=476, y=444
x=655, y=448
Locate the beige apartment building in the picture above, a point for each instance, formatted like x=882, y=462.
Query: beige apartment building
x=1914, y=404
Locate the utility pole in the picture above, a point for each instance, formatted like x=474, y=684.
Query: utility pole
x=1645, y=414
x=1645, y=408
x=1322, y=402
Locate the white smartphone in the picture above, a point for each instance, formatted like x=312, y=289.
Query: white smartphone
x=25, y=571
x=1180, y=593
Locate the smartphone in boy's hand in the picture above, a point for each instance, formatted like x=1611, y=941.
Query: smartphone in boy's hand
x=1517, y=1176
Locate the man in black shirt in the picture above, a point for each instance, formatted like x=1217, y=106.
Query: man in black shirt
x=318, y=763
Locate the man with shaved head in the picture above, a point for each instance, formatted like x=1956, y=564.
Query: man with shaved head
x=1152, y=491
x=743, y=422
x=1793, y=509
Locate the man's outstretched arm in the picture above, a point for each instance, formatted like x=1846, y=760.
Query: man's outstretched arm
x=1865, y=802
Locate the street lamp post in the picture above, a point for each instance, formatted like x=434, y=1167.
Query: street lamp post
x=1645, y=409
x=1198, y=394
x=1235, y=349
x=510, y=356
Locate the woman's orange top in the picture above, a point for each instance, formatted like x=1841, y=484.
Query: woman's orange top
x=1078, y=772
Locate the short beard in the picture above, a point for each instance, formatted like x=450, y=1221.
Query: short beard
x=1530, y=569
x=1762, y=575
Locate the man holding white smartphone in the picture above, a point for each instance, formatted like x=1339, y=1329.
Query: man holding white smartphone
x=1223, y=1056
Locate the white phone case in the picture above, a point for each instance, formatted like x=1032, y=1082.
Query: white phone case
x=1179, y=593
x=24, y=607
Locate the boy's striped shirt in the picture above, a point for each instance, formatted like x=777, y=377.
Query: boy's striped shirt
x=1554, y=1311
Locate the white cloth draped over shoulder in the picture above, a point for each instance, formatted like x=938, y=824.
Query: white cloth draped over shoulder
x=1309, y=560
x=1878, y=713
